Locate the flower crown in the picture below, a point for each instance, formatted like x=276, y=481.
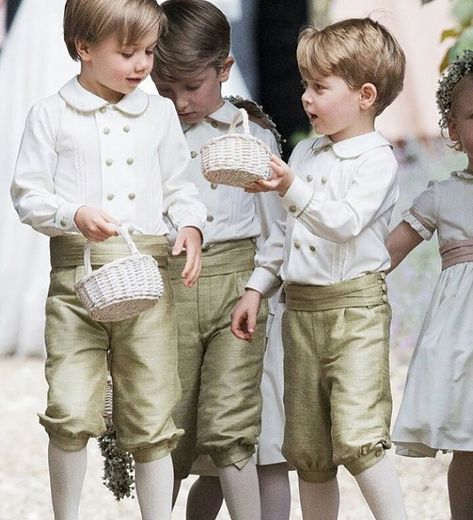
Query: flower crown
x=454, y=73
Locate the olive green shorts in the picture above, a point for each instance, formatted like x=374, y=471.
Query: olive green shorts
x=220, y=375
x=336, y=371
x=143, y=359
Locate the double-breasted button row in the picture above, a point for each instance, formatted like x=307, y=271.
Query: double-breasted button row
x=129, y=161
x=298, y=245
x=111, y=196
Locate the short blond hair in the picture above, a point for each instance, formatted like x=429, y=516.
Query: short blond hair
x=359, y=50
x=197, y=35
x=95, y=20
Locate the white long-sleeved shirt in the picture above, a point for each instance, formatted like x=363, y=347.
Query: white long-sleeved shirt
x=232, y=214
x=128, y=158
x=339, y=208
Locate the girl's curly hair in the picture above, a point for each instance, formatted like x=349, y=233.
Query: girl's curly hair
x=455, y=72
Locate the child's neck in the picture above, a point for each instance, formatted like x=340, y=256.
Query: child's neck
x=362, y=126
x=97, y=89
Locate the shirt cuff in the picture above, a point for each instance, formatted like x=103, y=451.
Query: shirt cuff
x=191, y=221
x=65, y=217
x=264, y=282
x=297, y=197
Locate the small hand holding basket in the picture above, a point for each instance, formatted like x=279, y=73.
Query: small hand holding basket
x=236, y=159
x=122, y=288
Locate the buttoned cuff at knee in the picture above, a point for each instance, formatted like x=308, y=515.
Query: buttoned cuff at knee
x=357, y=466
x=237, y=456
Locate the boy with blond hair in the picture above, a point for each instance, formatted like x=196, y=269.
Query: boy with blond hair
x=97, y=154
x=220, y=376
x=339, y=191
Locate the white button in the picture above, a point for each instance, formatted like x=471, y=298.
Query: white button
x=323, y=180
x=109, y=162
x=210, y=218
x=312, y=248
x=63, y=222
x=110, y=196
x=297, y=244
x=384, y=287
x=103, y=110
x=214, y=124
x=106, y=130
x=292, y=209
x=213, y=186
x=385, y=298
x=309, y=178
x=131, y=229
x=383, y=275
x=193, y=154
x=126, y=128
x=131, y=196
x=130, y=160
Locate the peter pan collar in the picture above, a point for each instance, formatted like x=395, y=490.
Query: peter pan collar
x=225, y=114
x=463, y=174
x=75, y=95
x=353, y=147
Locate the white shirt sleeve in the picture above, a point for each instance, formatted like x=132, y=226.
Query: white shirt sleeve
x=180, y=197
x=373, y=191
x=32, y=188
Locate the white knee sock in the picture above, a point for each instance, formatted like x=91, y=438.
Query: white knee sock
x=154, y=484
x=460, y=485
x=382, y=491
x=275, y=491
x=66, y=476
x=241, y=491
x=319, y=501
x=205, y=499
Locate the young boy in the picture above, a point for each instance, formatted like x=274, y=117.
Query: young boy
x=339, y=192
x=99, y=153
x=220, y=376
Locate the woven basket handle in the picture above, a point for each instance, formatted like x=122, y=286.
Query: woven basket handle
x=123, y=233
x=242, y=115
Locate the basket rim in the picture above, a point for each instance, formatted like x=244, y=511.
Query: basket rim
x=109, y=265
x=239, y=136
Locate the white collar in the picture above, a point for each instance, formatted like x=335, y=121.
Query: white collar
x=75, y=95
x=224, y=115
x=352, y=147
x=463, y=174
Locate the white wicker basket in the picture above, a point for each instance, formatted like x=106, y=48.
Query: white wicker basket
x=236, y=159
x=122, y=288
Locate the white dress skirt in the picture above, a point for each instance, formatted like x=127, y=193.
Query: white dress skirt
x=437, y=408
x=34, y=64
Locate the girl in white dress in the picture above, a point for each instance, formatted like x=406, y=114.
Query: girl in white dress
x=436, y=413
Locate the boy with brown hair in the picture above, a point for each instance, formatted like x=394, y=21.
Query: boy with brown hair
x=339, y=191
x=220, y=376
x=97, y=154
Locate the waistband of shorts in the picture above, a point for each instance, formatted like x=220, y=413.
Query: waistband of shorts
x=456, y=252
x=365, y=291
x=68, y=250
x=232, y=256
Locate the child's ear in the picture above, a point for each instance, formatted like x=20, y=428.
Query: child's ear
x=368, y=95
x=452, y=129
x=83, y=49
x=224, y=72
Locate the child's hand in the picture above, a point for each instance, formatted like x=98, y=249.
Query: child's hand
x=95, y=223
x=189, y=239
x=244, y=315
x=280, y=180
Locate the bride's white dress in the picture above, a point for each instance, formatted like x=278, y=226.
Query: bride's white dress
x=34, y=64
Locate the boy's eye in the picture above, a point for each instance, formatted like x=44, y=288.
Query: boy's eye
x=193, y=87
x=127, y=54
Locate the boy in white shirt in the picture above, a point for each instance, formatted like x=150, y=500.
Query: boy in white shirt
x=339, y=191
x=220, y=409
x=98, y=153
